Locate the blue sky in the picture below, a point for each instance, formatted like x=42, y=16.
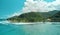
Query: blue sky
x=49, y=0
x=8, y=7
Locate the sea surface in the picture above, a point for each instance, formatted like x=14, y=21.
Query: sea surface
x=42, y=28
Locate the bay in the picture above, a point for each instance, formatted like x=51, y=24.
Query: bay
x=46, y=28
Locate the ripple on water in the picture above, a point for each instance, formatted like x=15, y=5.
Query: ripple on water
x=30, y=29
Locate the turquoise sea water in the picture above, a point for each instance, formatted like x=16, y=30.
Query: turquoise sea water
x=30, y=29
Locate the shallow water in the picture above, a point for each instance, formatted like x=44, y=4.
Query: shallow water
x=46, y=28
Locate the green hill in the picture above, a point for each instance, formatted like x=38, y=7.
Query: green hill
x=28, y=17
x=35, y=17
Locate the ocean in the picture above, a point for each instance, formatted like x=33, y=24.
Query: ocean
x=45, y=28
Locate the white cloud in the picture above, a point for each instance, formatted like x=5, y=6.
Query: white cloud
x=15, y=14
x=40, y=6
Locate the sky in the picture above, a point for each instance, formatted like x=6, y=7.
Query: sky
x=8, y=7
x=15, y=7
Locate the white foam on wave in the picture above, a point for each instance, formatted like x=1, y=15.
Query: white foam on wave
x=23, y=23
x=4, y=22
x=8, y=22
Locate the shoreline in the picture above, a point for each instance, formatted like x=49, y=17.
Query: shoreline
x=23, y=23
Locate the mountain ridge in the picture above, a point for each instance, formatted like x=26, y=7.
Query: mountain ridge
x=33, y=16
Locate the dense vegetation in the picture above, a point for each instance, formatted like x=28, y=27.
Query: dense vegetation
x=55, y=17
x=36, y=17
x=28, y=17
